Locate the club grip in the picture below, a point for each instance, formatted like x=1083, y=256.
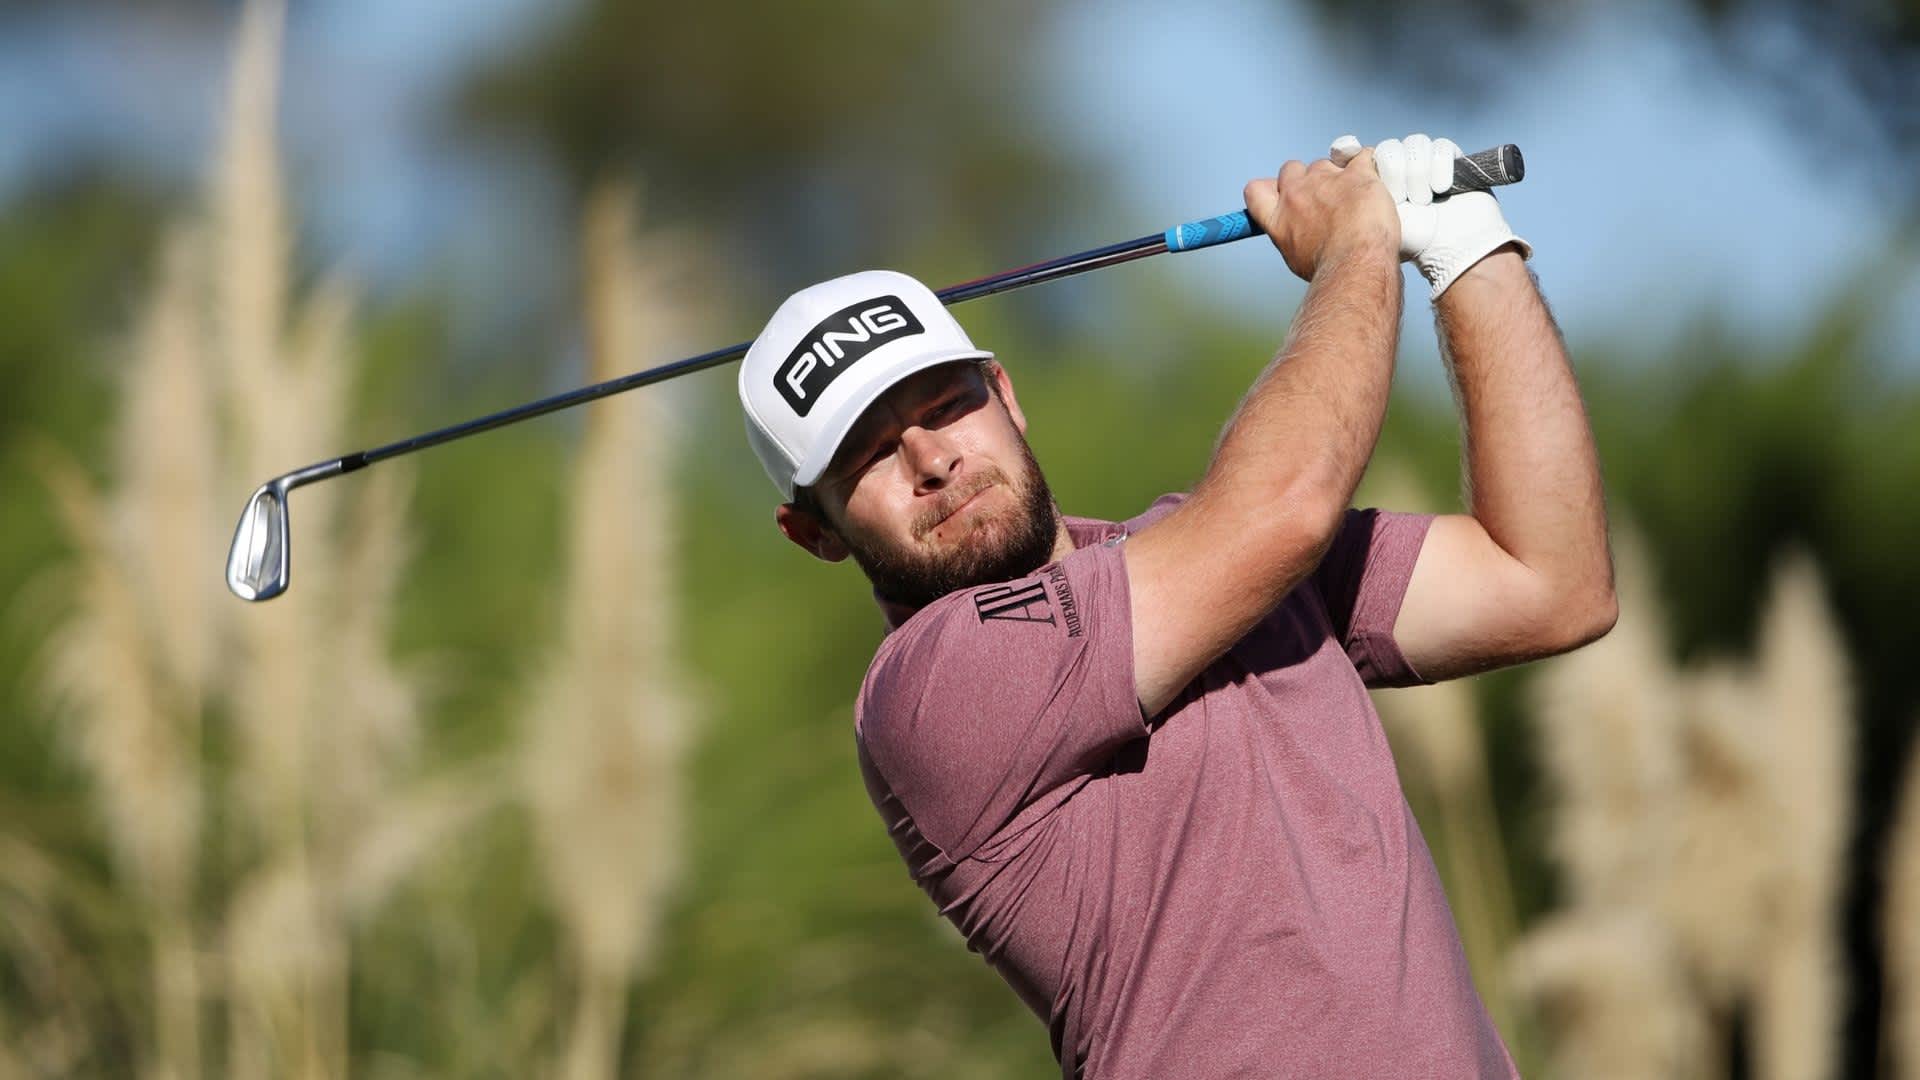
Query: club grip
x=1482, y=171
x=1491, y=168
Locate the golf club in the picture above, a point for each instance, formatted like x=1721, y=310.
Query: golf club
x=258, y=564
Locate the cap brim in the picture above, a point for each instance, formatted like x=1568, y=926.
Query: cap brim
x=849, y=411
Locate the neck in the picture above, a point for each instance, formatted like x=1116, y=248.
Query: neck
x=1062, y=540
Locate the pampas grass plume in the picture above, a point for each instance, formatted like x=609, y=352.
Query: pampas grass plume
x=166, y=464
x=1607, y=716
x=1714, y=806
x=1613, y=998
x=1808, y=687
x=604, y=732
x=326, y=723
x=1715, y=895
x=1900, y=1008
x=131, y=664
x=248, y=213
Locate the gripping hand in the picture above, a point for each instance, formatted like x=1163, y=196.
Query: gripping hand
x=1443, y=234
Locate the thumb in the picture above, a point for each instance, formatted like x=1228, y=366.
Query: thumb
x=1263, y=201
x=1365, y=162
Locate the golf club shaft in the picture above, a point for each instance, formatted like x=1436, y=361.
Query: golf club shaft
x=259, y=560
x=1476, y=172
x=970, y=290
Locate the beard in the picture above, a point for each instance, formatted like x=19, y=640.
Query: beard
x=1010, y=546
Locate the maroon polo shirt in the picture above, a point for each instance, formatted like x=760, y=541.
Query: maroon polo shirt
x=1235, y=888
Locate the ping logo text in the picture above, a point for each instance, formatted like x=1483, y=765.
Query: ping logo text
x=836, y=343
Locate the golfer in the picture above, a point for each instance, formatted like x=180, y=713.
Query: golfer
x=1135, y=762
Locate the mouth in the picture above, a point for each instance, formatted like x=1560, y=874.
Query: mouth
x=955, y=512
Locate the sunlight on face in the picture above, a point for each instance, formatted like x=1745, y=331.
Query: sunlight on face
x=935, y=488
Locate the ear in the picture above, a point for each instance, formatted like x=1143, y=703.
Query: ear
x=1004, y=387
x=816, y=536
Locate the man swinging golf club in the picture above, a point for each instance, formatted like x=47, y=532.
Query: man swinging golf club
x=1135, y=762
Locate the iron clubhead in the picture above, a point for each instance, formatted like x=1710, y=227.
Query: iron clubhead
x=257, y=562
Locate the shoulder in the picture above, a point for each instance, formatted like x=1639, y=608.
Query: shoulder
x=1162, y=506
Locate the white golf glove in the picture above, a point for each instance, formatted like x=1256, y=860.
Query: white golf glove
x=1443, y=236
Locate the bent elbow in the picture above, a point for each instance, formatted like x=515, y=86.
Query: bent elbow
x=1605, y=613
x=1589, y=617
x=1285, y=527
x=1316, y=509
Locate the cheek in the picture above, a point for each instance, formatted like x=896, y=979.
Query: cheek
x=998, y=446
x=877, y=508
x=1003, y=433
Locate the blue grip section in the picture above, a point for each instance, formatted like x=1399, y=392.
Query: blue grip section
x=1224, y=229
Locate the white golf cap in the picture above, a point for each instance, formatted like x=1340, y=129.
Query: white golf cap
x=829, y=352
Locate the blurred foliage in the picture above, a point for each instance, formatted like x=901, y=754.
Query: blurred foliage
x=847, y=130
x=33, y=7
x=73, y=255
x=1811, y=58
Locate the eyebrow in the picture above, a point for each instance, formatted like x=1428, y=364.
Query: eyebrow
x=862, y=437
x=854, y=450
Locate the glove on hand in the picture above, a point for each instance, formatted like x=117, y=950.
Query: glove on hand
x=1445, y=235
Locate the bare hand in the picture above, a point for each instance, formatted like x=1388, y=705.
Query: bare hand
x=1315, y=213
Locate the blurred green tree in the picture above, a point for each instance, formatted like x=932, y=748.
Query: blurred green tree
x=810, y=136
x=1848, y=71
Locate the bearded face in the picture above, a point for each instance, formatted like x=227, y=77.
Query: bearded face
x=936, y=489
x=1006, y=529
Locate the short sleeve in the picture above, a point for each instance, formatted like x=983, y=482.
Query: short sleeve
x=992, y=697
x=1363, y=578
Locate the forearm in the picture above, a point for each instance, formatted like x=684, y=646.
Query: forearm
x=1306, y=429
x=1531, y=472
x=1266, y=510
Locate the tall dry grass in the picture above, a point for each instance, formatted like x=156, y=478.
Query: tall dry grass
x=63, y=995
x=231, y=381
x=131, y=667
x=326, y=723
x=286, y=963
x=1706, y=809
x=1715, y=892
x=1900, y=930
x=1805, y=680
x=1603, y=974
x=317, y=788
x=605, y=730
x=1608, y=991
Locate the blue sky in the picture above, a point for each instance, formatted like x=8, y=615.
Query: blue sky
x=1652, y=175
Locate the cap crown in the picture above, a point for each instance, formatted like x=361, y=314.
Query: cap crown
x=827, y=354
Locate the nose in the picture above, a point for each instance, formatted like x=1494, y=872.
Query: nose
x=933, y=457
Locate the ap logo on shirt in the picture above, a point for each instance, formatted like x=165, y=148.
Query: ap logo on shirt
x=1029, y=601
